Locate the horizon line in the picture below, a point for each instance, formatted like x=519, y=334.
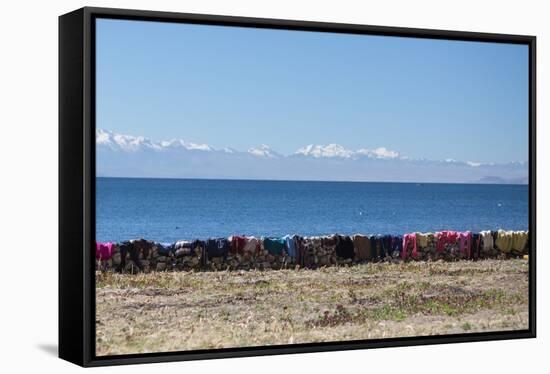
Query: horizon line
x=311, y=180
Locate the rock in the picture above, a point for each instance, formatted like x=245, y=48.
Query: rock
x=161, y=266
x=116, y=259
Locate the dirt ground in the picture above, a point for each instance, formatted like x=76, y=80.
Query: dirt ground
x=174, y=311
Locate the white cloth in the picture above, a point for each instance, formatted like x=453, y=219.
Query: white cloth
x=487, y=240
x=182, y=244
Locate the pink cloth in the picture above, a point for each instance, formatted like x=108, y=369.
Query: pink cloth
x=104, y=251
x=445, y=237
x=465, y=240
x=409, y=239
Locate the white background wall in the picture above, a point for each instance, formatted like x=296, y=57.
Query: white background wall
x=28, y=167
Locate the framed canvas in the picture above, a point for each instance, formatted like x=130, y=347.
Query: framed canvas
x=234, y=186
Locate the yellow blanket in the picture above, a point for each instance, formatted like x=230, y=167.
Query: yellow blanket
x=511, y=240
x=504, y=241
x=519, y=240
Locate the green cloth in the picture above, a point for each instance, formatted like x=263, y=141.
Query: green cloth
x=274, y=246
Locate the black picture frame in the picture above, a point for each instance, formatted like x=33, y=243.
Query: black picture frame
x=77, y=175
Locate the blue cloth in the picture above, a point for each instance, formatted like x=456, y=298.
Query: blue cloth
x=386, y=245
x=217, y=248
x=397, y=246
x=374, y=241
x=274, y=246
x=290, y=245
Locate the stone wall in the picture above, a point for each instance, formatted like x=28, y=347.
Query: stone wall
x=142, y=255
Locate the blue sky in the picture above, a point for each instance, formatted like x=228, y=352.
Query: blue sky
x=242, y=87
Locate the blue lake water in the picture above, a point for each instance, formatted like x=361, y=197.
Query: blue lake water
x=167, y=210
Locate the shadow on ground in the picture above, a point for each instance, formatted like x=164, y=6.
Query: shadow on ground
x=50, y=349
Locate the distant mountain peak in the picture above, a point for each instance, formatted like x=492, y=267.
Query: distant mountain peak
x=263, y=151
x=124, y=142
x=336, y=150
x=229, y=150
x=329, y=150
x=380, y=152
x=135, y=143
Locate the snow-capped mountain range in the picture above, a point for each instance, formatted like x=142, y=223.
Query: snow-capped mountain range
x=135, y=143
x=336, y=150
x=137, y=156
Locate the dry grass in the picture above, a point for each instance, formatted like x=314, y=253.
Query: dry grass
x=162, y=312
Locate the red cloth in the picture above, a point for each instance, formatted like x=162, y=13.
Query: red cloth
x=445, y=237
x=104, y=251
x=409, y=239
x=465, y=239
x=237, y=244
